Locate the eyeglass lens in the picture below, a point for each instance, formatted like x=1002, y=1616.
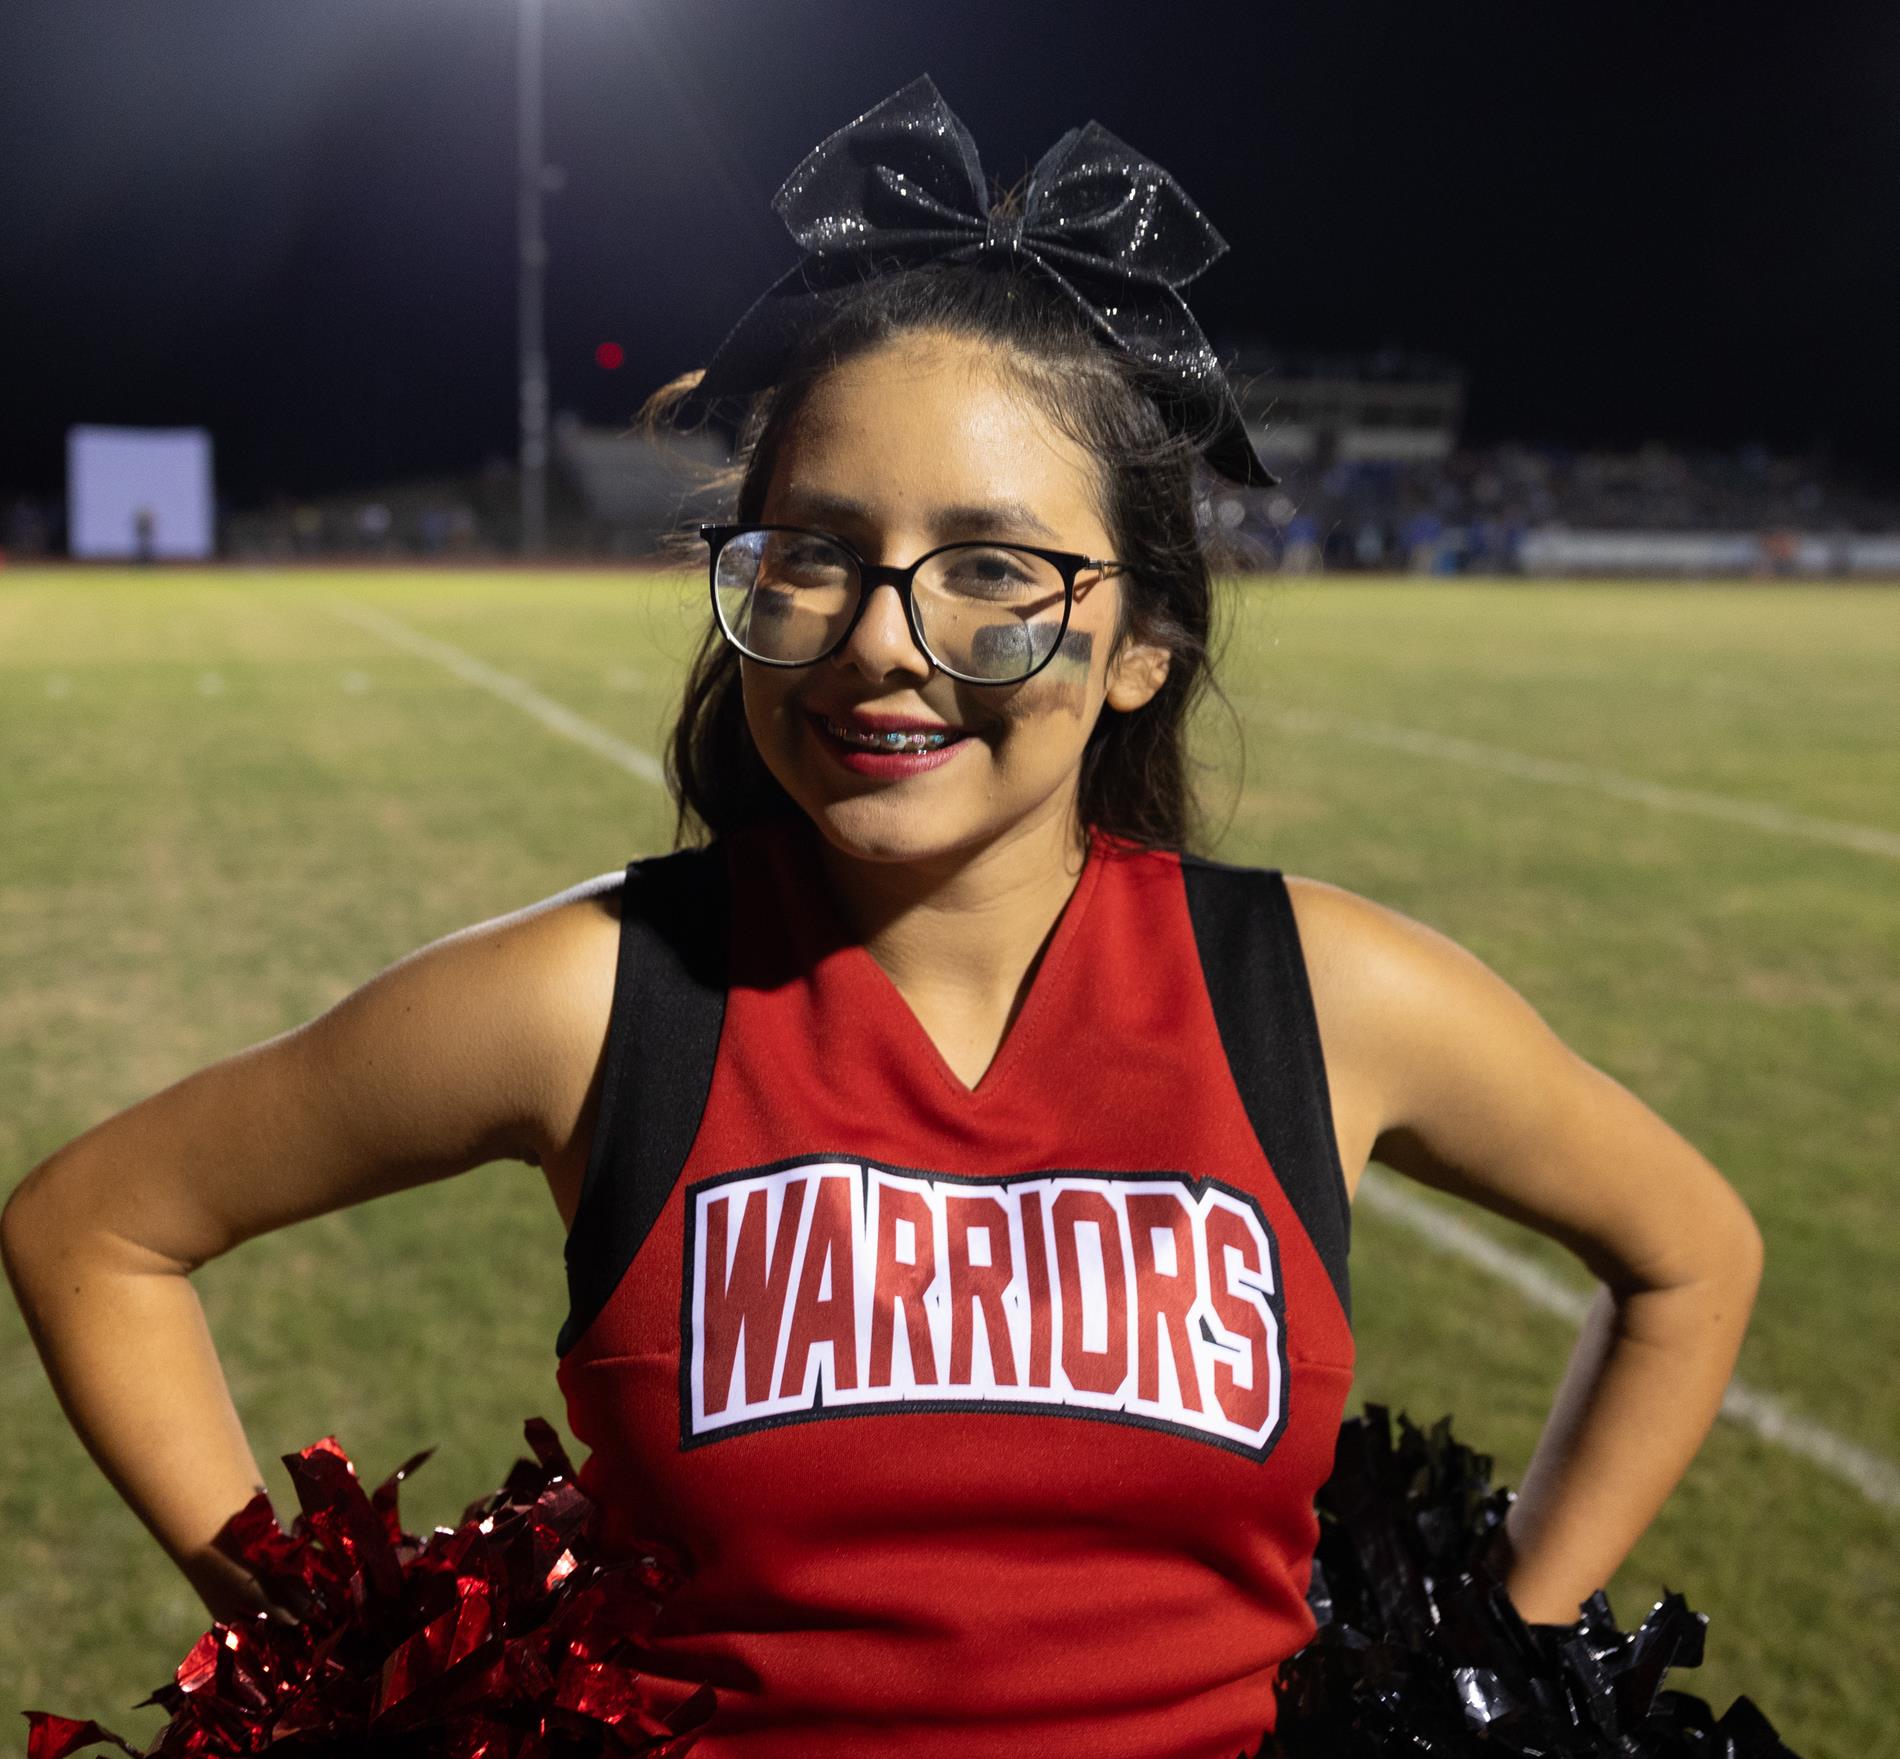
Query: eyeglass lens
x=987, y=611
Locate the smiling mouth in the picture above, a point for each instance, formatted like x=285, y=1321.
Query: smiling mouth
x=892, y=741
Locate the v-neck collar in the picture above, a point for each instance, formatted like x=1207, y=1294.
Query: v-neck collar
x=884, y=996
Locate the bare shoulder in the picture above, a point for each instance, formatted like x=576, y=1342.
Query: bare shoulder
x=1354, y=952
x=1444, y=1072
x=565, y=950
x=1410, y=1022
x=1359, y=951
x=535, y=984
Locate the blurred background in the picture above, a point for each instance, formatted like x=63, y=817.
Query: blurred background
x=331, y=620
x=1510, y=290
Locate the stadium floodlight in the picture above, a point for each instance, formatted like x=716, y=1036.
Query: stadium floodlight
x=534, y=179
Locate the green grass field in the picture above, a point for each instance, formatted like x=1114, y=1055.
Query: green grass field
x=226, y=803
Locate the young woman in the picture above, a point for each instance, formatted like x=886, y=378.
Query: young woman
x=956, y=1166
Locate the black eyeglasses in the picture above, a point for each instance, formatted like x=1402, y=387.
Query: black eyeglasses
x=985, y=613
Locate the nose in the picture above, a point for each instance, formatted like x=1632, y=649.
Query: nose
x=881, y=642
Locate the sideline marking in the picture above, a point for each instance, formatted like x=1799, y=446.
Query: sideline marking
x=1756, y=815
x=1875, y=1478
x=556, y=717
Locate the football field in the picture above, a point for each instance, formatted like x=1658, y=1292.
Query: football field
x=1668, y=814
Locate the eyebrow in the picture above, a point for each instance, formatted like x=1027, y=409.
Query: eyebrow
x=993, y=519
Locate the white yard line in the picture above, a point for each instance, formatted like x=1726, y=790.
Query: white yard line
x=1760, y=1413
x=556, y=717
x=1555, y=772
x=1875, y=1478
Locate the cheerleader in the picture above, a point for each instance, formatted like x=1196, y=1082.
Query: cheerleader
x=957, y=1166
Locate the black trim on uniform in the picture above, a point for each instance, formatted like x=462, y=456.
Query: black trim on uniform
x=669, y=1004
x=1255, y=972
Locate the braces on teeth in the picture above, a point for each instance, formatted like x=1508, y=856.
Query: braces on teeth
x=894, y=741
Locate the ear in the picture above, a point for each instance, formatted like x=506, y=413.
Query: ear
x=1137, y=671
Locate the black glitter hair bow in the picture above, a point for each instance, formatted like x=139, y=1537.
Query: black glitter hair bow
x=902, y=187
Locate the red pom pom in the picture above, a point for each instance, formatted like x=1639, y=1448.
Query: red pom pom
x=507, y=1636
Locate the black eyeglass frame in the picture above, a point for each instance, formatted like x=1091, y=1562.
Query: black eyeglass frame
x=871, y=575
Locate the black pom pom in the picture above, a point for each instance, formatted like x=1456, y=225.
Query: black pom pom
x=1420, y=1652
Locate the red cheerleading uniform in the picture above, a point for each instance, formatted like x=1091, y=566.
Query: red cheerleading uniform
x=988, y=1420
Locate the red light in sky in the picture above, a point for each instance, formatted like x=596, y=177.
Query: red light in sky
x=611, y=356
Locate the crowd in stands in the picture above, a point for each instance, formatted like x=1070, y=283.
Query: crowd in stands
x=1470, y=512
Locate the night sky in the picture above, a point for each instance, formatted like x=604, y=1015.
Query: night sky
x=293, y=220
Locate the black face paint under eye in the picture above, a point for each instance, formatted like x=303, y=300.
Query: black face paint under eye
x=1063, y=683
x=1024, y=644
x=1077, y=649
x=1010, y=645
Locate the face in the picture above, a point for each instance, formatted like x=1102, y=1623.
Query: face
x=922, y=443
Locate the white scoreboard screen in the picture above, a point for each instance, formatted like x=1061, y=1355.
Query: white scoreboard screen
x=138, y=493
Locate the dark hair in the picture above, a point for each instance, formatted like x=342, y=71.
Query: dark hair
x=1135, y=778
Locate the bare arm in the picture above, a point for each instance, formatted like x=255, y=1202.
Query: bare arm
x=1450, y=1077
x=461, y=1053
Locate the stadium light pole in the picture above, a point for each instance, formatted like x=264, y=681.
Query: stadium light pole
x=533, y=180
